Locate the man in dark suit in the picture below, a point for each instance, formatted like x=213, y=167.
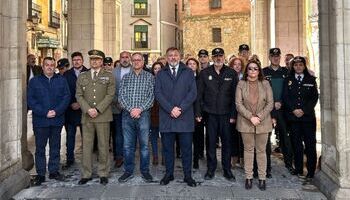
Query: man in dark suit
x=73, y=112
x=32, y=68
x=175, y=90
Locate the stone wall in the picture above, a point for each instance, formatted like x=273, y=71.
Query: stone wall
x=235, y=30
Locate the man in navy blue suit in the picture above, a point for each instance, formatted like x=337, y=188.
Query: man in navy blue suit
x=176, y=92
x=73, y=112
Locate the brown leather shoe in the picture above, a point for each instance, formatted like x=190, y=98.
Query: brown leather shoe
x=119, y=162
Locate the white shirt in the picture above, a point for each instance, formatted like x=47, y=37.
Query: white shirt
x=301, y=75
x=176, y=68
x=92, y=72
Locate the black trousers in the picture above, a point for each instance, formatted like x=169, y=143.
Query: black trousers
x=219, y=124
x=285, y=141
x=198, y=141
x=304, y=131
x=237, y=143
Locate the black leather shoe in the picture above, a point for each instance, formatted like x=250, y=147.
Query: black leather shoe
x=38, y=180
x=229, y=176
x=209, y=175
x=296, y=172
x=83, y=181
x=57, y=176
x=262, y=185
x=190, y=182
x=125, y=177
x=68, y=164
x=147, y=177
x=268, y=175
x=248, y=184
x=104, y=180
x=166, y=179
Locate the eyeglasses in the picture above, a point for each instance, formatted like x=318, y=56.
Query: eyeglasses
x=253, y=68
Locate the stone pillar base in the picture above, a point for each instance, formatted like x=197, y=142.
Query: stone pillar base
x=330, y=188
x=14, y=184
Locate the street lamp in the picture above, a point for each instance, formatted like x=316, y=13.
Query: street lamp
x=35, y=21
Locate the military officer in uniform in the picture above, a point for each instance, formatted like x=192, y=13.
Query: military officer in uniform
x=300, y=97
x=95, y=92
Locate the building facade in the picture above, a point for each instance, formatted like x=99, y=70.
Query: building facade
x=150, y=27
x=207, y=24
x=46, y=28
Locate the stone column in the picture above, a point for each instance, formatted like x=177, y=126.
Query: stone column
x=85, y=26
x=12, y=77
x=334, y=177
x=111, y=28
x=290, y=31
x=259, y=29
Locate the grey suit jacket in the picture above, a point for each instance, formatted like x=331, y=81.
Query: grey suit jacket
x=264, y=108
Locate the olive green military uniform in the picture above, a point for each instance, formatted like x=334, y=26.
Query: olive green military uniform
x=96, y=93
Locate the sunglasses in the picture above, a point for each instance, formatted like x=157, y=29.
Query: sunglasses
x=253, y=68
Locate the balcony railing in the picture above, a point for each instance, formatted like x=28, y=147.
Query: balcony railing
x=140, y=11
x=34, y=10
x=140, y=44
x=55, y=19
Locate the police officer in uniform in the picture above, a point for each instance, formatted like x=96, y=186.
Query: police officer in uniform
x=300, y=97
x=95, y=92
x=276, y=75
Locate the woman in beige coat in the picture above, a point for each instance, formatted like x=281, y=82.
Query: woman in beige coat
x=254, y=102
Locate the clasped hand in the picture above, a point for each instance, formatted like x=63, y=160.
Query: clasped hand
x=175, y=112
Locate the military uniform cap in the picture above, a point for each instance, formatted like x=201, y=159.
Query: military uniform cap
x=243, y=47
x=275, y=52
x=217, y=52
x=203, y=52
x=108, y=60
x=63, y=62
x=297, y=59
x=96, y=54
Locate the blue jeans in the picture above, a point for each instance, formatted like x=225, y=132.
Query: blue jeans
x=154, y=135
x=118, y=138
x=185, y=139
x=71, y=130
x=42, y=135
x=134, y=129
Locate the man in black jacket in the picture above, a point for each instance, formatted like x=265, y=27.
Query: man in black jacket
x=216, y=96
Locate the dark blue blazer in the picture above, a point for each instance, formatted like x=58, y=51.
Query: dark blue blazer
x=72, y=116
x=48, y=94
x=180, y=91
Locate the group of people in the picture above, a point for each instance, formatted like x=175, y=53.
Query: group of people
x=189, y=102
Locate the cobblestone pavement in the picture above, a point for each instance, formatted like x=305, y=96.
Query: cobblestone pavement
x=281, y=186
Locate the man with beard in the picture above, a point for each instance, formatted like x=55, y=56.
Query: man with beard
x=122, y=69
x=175, y=90
x=216, y=95
x=32, y=68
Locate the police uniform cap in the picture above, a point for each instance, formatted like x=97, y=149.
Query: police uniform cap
x=107, y=60
x=243, y=47
x=217, y=52
x=63, y=62
x=275, y=52
x=297, y=59
x=203, y=52
x=96, y=54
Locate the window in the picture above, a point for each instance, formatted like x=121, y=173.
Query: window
x=215, y=3
x=34, y=10
x=176, y=13
x=55, y=17
x=141, y=36
x=216, y=35
x=140, y=7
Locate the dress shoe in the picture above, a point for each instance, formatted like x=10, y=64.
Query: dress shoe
x=38, y=180
x=190, y=182
x=155, y=160
x=195, y=165
x=83, y=181
x=229, y=176
x=296, y=172
x=147, y=177
x=248, y=184
x=268, y=175
x=57, y=176
x=309, y=177
x=119, y=162
x=290, y=169
x=209, y=175
x=68, y=164
x=262, y=185
x=166, y=179
x=125, y=177
x=104, y=180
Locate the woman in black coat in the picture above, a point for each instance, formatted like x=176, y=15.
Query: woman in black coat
x=300, y=98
